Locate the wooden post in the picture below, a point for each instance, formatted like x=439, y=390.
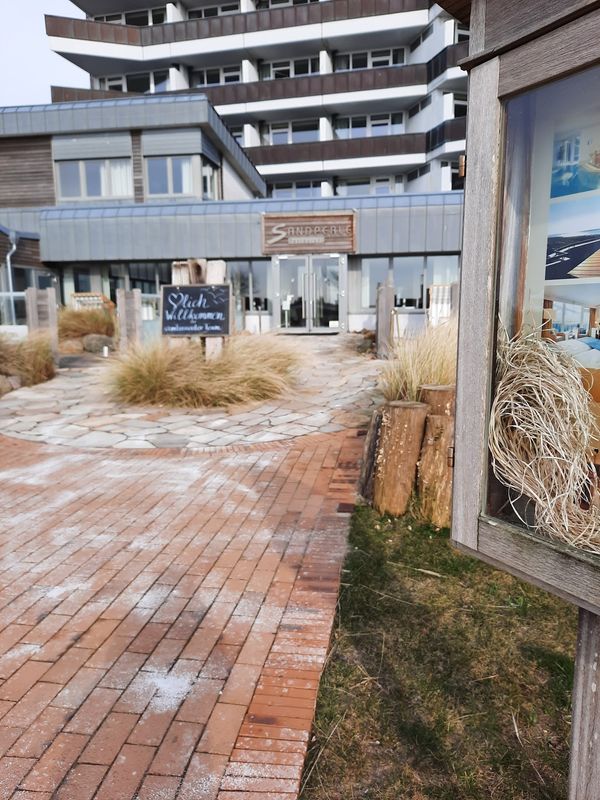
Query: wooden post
x=584, y=773
x=365, y=483
x=384, y=334
x=40, y=307
x=402, y=427
x=440, y=399
x=215, y=273
x=129, y=314
x=434, y=481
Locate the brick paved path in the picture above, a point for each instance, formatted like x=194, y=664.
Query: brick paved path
x=165, y=615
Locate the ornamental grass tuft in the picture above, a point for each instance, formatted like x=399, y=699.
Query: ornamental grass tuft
x=73, y=323
x=249, y=368
x=30, y=359
x=426, y=359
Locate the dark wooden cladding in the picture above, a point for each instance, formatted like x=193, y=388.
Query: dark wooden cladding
x=138, y=166
x=402, y=144
x=68, y=94
x=27, y=174
x=27, y=253
x=227, y=25
x=449, y=131
x=313, y=85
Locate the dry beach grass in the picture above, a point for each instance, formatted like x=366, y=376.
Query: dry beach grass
x=428, y=358
x=30, y=359
x=74, y=323
x=249, y=368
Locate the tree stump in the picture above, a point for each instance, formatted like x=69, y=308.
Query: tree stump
x=434, y=483
x=400, y=439
x=365, y=484
x=440, y=399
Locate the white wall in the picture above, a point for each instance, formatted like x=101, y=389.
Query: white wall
x=233, y=186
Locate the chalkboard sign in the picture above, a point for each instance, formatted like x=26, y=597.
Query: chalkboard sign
x=198, y=310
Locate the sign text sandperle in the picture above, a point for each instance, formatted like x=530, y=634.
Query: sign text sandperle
x=309, y=233
x=200, y=310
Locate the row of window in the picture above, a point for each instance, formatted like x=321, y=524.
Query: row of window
x=158, y=81
x=354, y=187
x=112, y=178
x=343, y=187
x=355, y=127
x=158, y=15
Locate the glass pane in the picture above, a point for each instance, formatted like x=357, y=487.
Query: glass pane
x=358, y=127
x=138, y=83
x=93, y=178
x=342, y=62
x=281, y=70
x=120, y=177
x=408, y=280
x=374, y=271
x=182, y=175
x=138, y=18
x=293, y=277
x=325, y=290
x=283, y=190
x=549, y=285
x=307, y=189
x=159, y=15
x=442, y=269
x=70, y=184
x=82, y=281
x=360, y=60
x=158, y=181
x=262, y=291
x=358, y=187
x=305, y=131
x=301, y=66
x=279, y=134
x=161, y=81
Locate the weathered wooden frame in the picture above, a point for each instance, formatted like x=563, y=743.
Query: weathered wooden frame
x=562, y=570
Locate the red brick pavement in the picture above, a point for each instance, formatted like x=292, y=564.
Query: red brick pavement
x=165, y=617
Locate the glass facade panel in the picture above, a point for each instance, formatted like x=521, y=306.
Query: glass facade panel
x=93, y=178
x=69, y=179
x=408, y=272
x=374, y=271
x=158, y=175
x=138, y=83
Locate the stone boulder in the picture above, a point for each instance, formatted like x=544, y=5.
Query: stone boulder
x=71, y=347
x=95, y=342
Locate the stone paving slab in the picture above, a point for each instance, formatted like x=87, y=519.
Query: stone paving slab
x=336, y=390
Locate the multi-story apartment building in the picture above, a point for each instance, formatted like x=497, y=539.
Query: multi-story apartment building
x=329, y=98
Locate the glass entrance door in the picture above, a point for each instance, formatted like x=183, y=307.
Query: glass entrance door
x=311, y=293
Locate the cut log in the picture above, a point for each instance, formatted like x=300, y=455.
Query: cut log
x=365, y=484
x=400, y=439
x=434, y=483
x=440, y=399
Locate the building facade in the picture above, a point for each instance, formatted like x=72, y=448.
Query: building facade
x=105, y=194
x=331, y=98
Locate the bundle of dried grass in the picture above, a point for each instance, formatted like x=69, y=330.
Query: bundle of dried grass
x=77, y=322
x=541, y=430
x=427, y=358
x=249, y=368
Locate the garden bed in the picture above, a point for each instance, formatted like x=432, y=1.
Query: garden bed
x=447, y=680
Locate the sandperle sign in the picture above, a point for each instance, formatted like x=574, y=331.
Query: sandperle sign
x=309, y=233
x=200, y=310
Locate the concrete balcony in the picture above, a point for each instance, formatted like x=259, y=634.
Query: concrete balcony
x=335, y=24
x=380, y=154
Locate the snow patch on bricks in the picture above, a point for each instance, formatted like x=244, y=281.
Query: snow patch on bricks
x=42, y=471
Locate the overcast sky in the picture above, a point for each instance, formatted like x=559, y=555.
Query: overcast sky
x=27, y=65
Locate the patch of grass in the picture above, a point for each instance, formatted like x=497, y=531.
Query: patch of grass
x=437, y=662
x=73, y=323
x=428, y=358
x=250, y=368
x=30, y=359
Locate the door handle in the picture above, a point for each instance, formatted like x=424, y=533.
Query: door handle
x=304, y=288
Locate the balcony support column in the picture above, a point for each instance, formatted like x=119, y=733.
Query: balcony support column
x=249, y=71
x=325, y=62
x=251, y=135
x=175, y=12
x=325, y=129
